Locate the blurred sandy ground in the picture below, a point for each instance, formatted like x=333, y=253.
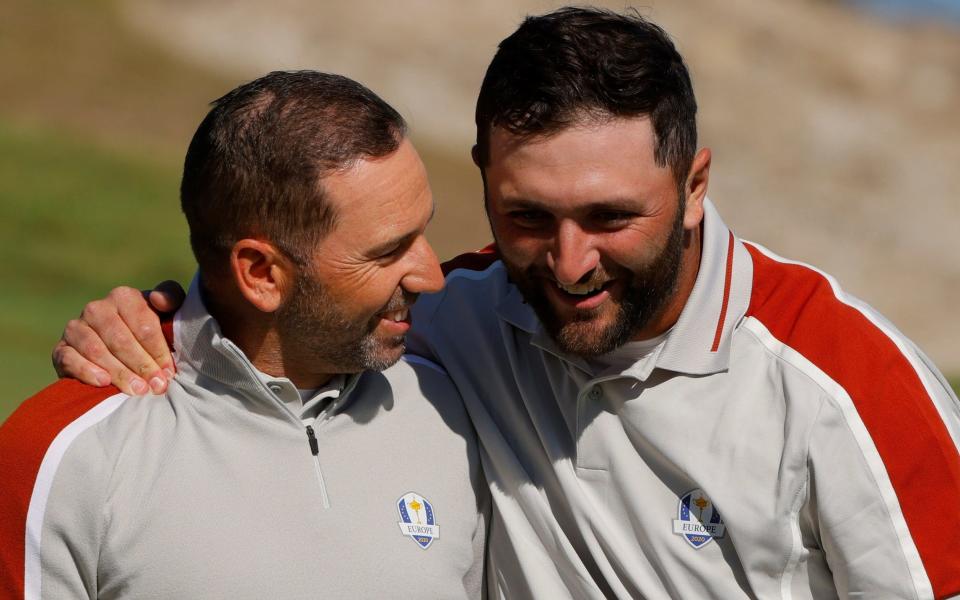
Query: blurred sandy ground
x=836, y=134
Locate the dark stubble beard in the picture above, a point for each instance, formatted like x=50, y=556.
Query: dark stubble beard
x=311, y=325
x=646, y=293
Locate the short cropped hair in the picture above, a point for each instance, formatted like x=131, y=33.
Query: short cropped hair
x=256, y=164
x=577, y=64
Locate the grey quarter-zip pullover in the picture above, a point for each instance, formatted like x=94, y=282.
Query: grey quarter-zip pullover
x=216, y=489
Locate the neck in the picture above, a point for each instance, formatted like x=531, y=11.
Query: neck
x=256, y=334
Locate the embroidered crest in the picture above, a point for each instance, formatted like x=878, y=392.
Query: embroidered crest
x=698, y=520
x=417, y=519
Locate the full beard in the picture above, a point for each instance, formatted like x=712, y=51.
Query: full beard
x=646, y=293
x=312, y=325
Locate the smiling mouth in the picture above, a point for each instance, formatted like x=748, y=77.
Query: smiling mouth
x=396, y=316
x=583, y=290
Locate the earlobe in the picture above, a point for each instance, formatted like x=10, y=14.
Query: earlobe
x=475, y=155
x=261, y=273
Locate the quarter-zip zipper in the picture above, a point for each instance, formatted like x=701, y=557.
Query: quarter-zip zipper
x=315, y=451
x=311, y=434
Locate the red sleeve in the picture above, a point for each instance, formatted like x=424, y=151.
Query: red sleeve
x=800, y=307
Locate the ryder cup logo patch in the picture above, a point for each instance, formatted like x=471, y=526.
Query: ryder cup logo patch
x=698, y=520
x=417, y=519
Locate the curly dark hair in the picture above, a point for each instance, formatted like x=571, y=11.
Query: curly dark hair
x=256, y=163
x=587, y=63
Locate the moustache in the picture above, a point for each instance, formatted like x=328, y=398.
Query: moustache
x=399, y=301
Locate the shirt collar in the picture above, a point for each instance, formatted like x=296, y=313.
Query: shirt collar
x=200, y=345
x=699, y=342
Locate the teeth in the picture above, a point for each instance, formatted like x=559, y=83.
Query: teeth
x=396, y=315
x=580, y=290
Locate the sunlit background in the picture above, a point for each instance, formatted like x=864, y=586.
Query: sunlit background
x=835, y=128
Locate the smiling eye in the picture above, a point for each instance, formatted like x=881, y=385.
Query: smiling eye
x=394, y=251
x=529, y=218
x=610, y=218
x=389, y=252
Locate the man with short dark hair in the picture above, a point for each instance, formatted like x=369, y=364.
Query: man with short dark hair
x=666, y=411
x=282, y=460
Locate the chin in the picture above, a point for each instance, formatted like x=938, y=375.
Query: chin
x=588, y=338
x=381, y=353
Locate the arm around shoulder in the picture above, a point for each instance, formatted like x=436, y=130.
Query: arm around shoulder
x=118, y=340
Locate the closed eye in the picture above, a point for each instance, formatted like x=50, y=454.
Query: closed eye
x=393, y=251
x=529, y=217
x=390, y=251
x=612, y=218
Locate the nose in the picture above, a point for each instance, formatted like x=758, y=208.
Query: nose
x=573, y=255
x=424, y=276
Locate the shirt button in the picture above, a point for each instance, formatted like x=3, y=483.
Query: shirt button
x=274, y=388
x=595, y=394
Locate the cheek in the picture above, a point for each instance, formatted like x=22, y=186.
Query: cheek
x=520, y=246
x=632, y=251
x=522, y=251
x=375, y=293
x=381, y=287
x=360, y=290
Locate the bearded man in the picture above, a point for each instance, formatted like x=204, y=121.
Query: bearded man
x=664, y=409
x=288, y=450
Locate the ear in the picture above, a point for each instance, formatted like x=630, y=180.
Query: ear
x=262, y=273
x=475, y=155
x=696, y=188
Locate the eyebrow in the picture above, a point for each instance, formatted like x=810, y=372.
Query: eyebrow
x=390, y=244
x=616, y=204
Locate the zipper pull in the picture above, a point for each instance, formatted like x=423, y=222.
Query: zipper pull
x=312, y=438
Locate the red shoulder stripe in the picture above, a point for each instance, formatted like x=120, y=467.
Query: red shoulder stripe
x=798, y=306
x=473, y=261
x=24, y=439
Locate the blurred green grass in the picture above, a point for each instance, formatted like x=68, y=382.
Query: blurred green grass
x=92, y=131
x=75, y=219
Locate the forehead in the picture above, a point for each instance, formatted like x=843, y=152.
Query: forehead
x=585, y=160
x=380, y=197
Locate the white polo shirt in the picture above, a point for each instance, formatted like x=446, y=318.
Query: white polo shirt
x=784, y=441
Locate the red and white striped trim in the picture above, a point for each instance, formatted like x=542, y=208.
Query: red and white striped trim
x=867, y=447
x=33, y=441
x=809, y=302
x=33, y=573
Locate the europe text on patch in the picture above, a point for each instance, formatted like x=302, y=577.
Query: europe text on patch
x=417, y=519
x=698, y=520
